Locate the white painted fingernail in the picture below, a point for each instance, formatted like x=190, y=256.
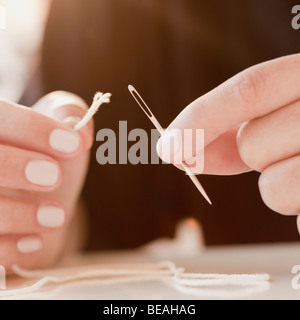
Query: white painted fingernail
x=170, y=145
x=64, y=141
x=43, y=173
x=29, y=244
x=72, y=120
x=51, y=217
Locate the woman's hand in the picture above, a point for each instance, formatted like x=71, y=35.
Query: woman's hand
x=43, y=164
x=250, y=122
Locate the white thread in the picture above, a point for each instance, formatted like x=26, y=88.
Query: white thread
x=164, y=271
x=225, y=293
x=98, y=100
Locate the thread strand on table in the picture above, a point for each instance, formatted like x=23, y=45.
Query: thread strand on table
x=164, y=271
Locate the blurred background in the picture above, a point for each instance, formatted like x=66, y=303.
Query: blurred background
x=173, y=51
x=20, y=41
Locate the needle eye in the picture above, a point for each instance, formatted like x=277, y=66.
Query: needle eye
x=140, y=101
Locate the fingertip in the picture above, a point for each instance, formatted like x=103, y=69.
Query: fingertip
x=43, y=174
x=86, y=132
x=51, y=216
x=29, y=244
x=87, y=138
x=159, y=150
x=169, y=146
x=50, y=103
x=298, y=223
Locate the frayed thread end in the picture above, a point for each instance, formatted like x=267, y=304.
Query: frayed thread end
x=104, y=97
x=98, y=100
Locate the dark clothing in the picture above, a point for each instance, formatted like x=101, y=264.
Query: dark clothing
x=173, y=51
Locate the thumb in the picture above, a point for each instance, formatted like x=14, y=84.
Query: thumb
x=67, y=108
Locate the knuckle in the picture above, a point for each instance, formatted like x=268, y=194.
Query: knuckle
x=10, y=214
x=270, y=193
x=5, y=162
x=247, y=149
x=249, y=87
x=5, y=251
x=267, y=191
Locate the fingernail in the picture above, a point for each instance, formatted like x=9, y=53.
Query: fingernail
x=43, y=173
x=72, y=120
x=169, y=145
x=29, y=244
x=51, y=217
x=64, y=141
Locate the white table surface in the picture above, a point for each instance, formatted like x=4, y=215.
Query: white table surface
x=275, y=259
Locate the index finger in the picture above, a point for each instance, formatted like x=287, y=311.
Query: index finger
x=250, y=94
x=25, y=128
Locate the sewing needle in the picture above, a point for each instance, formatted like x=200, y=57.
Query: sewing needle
x=152, y=118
